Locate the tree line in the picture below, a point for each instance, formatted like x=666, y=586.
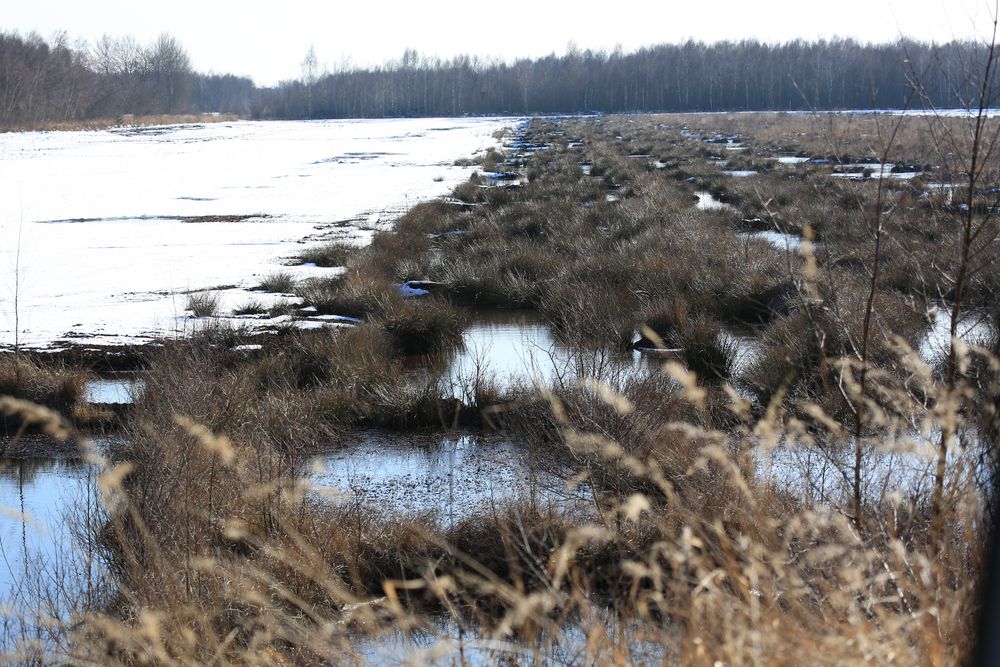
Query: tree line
x=54, y=80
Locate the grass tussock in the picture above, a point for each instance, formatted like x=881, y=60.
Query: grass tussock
x=45, y=396
x=280, y=282
x=351, y=295
x=203, y=304
x=422, y=327
x=331, y=254
x=59, y=388
x=250, y=307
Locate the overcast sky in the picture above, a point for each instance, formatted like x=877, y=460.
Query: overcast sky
x=267, y=40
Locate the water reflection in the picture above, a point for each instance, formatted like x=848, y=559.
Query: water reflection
x=901, y=463
x=114, y=391
x=44, y=507
x=444, y=641
x=707, y=201
x=452, y=476
x=512, y=347
x=515, y=349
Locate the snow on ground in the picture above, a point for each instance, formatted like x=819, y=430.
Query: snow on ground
x=96, y=237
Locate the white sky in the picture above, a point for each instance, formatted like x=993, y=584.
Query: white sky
x=267, y=40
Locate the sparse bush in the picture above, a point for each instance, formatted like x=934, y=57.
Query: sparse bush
x=469, y=192
x=282, y=310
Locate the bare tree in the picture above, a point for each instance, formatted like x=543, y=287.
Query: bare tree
x=169, y=67
x=310, y=67
x=976, y=148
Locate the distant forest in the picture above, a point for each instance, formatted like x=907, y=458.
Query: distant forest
x=55, y=80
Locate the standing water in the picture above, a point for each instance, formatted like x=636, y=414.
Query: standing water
x=45, y=571
x=452, y=476
x=512, y=349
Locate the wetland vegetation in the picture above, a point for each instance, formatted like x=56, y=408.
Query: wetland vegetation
x=703, y=447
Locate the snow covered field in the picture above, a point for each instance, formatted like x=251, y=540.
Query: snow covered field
x=103, y=234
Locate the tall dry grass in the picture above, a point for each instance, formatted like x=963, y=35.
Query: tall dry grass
x=686, y=555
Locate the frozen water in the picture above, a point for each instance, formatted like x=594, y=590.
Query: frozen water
x=975, y=327
x=101, y=233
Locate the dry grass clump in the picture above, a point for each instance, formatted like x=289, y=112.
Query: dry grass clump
x=590, y=315
x=422, y=327
x=705, y=350
x=790, y=362
x=492, y=272
x=279, y=283
x=429, y=218
x=634, y=422
x=250, y=307
x=665, y=318
x=416, y=325
x=218, y=388
x=478, y=191
x=309, y=385
x=58, y=389
x=203, y=304
x=352, y=294
x=330, y=254
x=354, y=378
